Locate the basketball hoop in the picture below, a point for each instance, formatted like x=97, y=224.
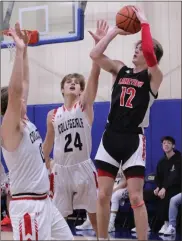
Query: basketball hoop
x=33, y=38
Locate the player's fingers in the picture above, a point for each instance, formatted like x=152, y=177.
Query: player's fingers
x=98, y=24
x=92, y=34
x=26, y=37
x=107, y=28
x=101, y=24
x=104, y=25
x=135, y=9
x=17, y=29
x=12, y=33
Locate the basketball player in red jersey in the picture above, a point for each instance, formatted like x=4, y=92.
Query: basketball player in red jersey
x=134, y=90
x=32, y=213
x=69, y=130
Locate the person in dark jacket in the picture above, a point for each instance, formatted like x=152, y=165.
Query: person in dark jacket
x=168, y=181
x=168, y=178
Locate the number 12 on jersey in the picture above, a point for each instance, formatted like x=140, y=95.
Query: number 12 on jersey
x=127, y=91
x=77, y=142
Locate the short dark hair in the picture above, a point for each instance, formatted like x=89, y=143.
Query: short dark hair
x=76, y=76
x=4, y=99
x=157, y=49
x=168, y=138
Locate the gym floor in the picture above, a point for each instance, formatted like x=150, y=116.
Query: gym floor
x=120, y=234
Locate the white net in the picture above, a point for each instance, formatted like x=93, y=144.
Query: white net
x=12, y=46
x=12, y=50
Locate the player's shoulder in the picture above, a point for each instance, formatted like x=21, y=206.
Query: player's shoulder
x=122, y=67
x=51, y=114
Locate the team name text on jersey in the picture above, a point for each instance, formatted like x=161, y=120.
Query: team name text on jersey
x=34, y=135
x=69, y=124
x=128, y=81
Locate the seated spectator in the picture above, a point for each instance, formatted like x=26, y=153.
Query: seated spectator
x=86, y=225
x=120, y=194
x=5, y=192
x=173, y=212
x=167, y=179
x=171, y=164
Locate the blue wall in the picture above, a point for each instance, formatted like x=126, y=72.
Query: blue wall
x=165, y=119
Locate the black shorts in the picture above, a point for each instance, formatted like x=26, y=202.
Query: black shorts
x=127, y=149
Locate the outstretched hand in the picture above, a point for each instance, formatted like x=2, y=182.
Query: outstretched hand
x=18, y=41
x=21, y=34
x=140, y=14
x=101, y=31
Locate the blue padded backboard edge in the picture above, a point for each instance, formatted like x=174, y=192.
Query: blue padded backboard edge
x=79, y=36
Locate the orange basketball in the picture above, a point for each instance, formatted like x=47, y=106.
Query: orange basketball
x=127, y=20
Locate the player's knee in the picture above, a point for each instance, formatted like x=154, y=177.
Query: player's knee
x=135, y=199
x=104, y=197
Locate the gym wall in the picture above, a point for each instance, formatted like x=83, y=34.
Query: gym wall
x=49, y=63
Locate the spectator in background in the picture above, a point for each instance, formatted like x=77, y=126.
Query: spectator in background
x=168, y=181
x=5, y=192
x=119, y=195
x=173, y=212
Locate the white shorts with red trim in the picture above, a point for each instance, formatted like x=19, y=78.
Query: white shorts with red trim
x=37, y=220
x=74, y=187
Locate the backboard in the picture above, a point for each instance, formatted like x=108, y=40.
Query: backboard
x=56, y=22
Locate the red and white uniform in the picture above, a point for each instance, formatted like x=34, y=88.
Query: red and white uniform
x=74, y=171
x=32, y=213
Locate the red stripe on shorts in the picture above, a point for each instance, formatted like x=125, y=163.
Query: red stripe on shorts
x=51, y=179
x=20, y=231
x=28, y=224
x=142, y=177
x=144, y=148
x=96, y=183
x=102, y=173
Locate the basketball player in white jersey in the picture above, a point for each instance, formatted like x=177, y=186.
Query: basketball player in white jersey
x=33, y=215
x=69, y=129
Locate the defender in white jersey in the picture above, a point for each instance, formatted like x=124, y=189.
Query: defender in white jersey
x=69, y=129
x=32, y=213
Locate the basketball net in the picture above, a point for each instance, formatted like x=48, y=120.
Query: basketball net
x=33, y=38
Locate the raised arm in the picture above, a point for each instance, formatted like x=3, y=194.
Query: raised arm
x=25, y=38
x=148, y=52
x=89, y=95
x=102, y=60
x=10, y=129
x=49, y=139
